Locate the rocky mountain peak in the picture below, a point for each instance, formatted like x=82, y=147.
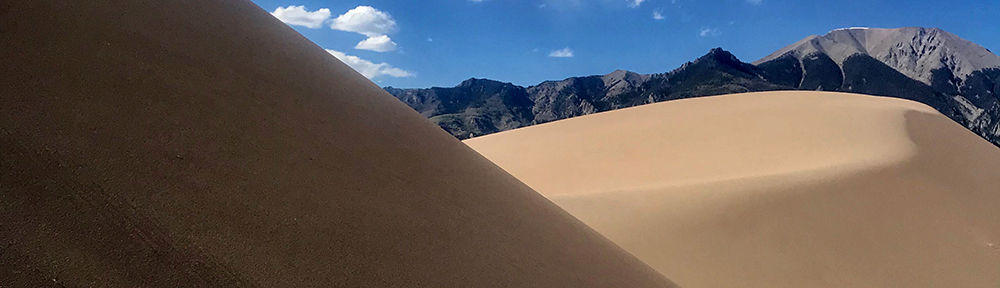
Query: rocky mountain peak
x=619, y=74
x=718, y=53
x=476, y=81
x=621, y=80
x=916, y=52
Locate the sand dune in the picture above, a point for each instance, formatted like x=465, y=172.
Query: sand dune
x=204, y=143
x=778, y=189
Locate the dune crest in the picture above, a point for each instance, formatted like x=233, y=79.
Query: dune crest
x=693, y=141
x=775, y=189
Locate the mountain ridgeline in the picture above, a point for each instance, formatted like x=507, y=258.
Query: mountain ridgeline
x=481, y=106
x=957, y=77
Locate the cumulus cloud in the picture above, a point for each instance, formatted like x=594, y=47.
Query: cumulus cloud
x=562, y=53
x=755, y=2
x=380, y=43
x=365, y=20
x=370, y=22
x=369, y=69
x=657, y=15
x=298, y=15
x=635, y=3
x=705, y=32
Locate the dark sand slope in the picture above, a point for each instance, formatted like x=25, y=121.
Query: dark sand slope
x=781, y=189
x=204, y=143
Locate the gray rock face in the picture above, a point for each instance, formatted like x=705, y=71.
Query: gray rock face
x=621, y=81
x=474, y=107
x=913, y=51
x=554, y=100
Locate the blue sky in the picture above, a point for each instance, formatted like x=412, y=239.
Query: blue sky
x=426, y=43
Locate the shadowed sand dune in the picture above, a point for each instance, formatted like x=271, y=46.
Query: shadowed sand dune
x=778, y=189
x=204, y=143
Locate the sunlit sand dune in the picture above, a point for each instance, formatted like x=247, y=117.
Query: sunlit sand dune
x=778, y=189
x=206, y=144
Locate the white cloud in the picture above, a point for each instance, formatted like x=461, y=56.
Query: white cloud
x=380, y=43
x=635, y=3
x=755, y=2
x=369, y=69
x=298, y=15
x=429, y=39
x=365, y=20
x=657, y=15
x=705, y=32
x=370, y=22
x=562, y=53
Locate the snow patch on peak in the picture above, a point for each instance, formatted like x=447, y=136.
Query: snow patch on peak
x=851, y=28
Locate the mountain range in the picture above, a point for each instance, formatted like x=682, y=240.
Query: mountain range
x=957, y=77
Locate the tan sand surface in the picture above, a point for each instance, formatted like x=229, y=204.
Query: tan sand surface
x=176, y=143
x=776, y=189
